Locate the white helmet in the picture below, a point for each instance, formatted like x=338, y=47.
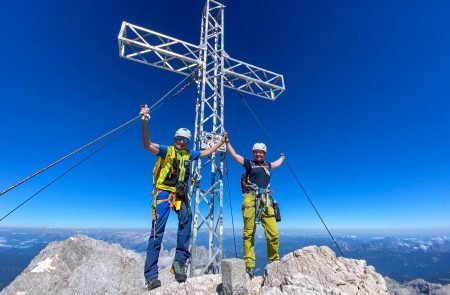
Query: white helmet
x=183, y=132
x=259, y=146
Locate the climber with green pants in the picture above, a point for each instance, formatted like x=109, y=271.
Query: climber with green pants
x=258, y=205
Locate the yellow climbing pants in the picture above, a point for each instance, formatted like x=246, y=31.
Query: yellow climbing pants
x=270, y=229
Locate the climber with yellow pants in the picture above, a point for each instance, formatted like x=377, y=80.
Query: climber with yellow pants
x=258, y=205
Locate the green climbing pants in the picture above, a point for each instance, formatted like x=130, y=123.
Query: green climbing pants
x=270, y=229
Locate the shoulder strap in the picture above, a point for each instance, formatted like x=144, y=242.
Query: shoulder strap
x=265, y=166
x=161, y=163
x=252, y=165
x=183, y=157
x=170, y=150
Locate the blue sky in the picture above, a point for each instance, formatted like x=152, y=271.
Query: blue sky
x=364, y=120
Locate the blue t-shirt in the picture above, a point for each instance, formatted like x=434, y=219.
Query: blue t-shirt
x=194, y=155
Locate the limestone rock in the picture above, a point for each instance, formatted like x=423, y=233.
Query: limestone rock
x=234, y=279
x=79, y=264
x=316, y=270
x=271, y=290
x=206, y=284
x=82, y=265
x=256, y=285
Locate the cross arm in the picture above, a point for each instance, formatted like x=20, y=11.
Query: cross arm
x=251, y=79
x=158, y=50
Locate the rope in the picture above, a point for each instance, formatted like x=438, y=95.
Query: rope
x=130, y=123
x=66, y=156
x=154, y=107
x=287, y=162
x=67, y=171
x=231, y=206
x=293, y=173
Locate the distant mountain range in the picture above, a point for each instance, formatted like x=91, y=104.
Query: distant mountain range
x=402, y=257
x=83, y=265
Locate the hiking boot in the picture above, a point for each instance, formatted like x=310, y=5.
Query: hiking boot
x=179, y=270
x=153, y=283
x=250, y=271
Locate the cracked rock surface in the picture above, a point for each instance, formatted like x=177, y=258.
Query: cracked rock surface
x=82, y=265
x=316, y=270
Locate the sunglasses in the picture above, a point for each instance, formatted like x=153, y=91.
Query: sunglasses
x=181, y=139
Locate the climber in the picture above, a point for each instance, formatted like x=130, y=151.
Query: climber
x=170, y=188
x=256, y=190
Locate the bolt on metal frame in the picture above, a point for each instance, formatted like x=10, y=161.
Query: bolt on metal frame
x=214, y=69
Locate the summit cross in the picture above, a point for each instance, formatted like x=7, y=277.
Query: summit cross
x=213, y=70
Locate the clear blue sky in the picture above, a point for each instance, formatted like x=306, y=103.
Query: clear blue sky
x=364, y=120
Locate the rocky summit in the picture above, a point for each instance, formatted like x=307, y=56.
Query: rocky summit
x=82, y=265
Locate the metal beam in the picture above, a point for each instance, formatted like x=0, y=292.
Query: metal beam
x=158, y=50
x=214, y=70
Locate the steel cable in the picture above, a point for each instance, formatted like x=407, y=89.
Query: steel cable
x=66, y=156
x=293, y=172
x=68, y=170
x=130, y=123
x=154, y=107
x=287, y=162
x=231, y=206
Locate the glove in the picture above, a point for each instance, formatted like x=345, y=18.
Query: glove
x=144, y=113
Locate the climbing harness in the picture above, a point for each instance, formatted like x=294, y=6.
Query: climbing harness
x=127, y=125
x=262, y=204
x=174, y=203
x=263, y=201
x=288, y=164
x=175, y=200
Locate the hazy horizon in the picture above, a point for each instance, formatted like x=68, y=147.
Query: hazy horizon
x=403, y=255
x=428, y=230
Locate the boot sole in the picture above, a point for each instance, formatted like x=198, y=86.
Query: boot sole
x=180, y=279
x=149, y=288
x=153, y=288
